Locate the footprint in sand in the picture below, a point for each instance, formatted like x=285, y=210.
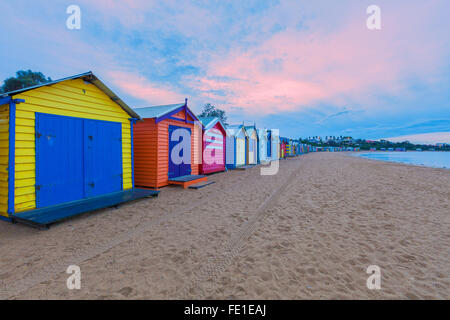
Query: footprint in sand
x=125, y=291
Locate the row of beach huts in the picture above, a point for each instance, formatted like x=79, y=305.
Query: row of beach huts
x=72, y=146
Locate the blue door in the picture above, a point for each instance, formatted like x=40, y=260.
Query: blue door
x=269, y=147
x=76, y=158
x=59, y=159
x=179, y=151
x=103, y=157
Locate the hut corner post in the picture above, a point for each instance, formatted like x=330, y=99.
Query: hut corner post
x=132, y=122
x=12, y=153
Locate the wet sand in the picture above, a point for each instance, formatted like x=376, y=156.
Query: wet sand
x=309, y=232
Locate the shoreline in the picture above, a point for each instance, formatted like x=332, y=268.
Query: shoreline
x=361, y=153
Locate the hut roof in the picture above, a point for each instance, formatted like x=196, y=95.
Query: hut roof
x=209, y=122
x=88, y=77
x=262, y=133
x=234, y=130
x=250, y=129
x=164, y=111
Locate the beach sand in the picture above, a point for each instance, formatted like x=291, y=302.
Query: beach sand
x=309, y=232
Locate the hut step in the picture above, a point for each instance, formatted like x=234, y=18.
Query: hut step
x=201, y=185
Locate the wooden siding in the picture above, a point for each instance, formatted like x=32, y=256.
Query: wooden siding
x=230, y=151
x=240, y=152
x=145, y=135
x=4, y=152
x=74, y=98
x=252, y=148
x=262, y=146
x=151, y=150
x=217, y=163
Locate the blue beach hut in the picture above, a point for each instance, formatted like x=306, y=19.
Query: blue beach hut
x=236, y=146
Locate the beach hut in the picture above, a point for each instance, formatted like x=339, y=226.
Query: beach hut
x=264, y=146
x=269, y=143
x=167, y=146
x=297, y=147
x=288, y=147
x=252, y=145
x=283, y=147
x=236, y=146
x=66, y=149
x=306, y=148
x=213, y=145
x=276, y=145
x=273, y=145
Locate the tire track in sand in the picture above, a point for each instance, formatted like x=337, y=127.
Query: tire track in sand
x=218, y=264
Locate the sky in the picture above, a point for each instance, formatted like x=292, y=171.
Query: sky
x=308, y=68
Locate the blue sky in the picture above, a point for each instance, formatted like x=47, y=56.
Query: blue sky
x=309, y=68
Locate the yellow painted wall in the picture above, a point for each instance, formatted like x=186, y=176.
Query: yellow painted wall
x=240, y=152
x=4, y=151
x=74, y=98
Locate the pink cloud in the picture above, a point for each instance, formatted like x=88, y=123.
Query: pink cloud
x=425, y=138
x=293, y=69
x=139, y=87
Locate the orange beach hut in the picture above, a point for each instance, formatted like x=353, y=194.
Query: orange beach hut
x=167, y=146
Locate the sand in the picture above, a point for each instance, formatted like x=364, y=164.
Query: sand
x=309, y=232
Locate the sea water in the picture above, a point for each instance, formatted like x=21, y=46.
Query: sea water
x=433, y=159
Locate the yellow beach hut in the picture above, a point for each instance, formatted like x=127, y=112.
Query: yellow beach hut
x=252, y=145
x=66, y=148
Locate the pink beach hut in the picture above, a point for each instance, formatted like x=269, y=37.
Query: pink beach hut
x=214, y=145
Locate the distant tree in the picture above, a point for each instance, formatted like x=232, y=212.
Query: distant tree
x=24, y=79
x=209, y=110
